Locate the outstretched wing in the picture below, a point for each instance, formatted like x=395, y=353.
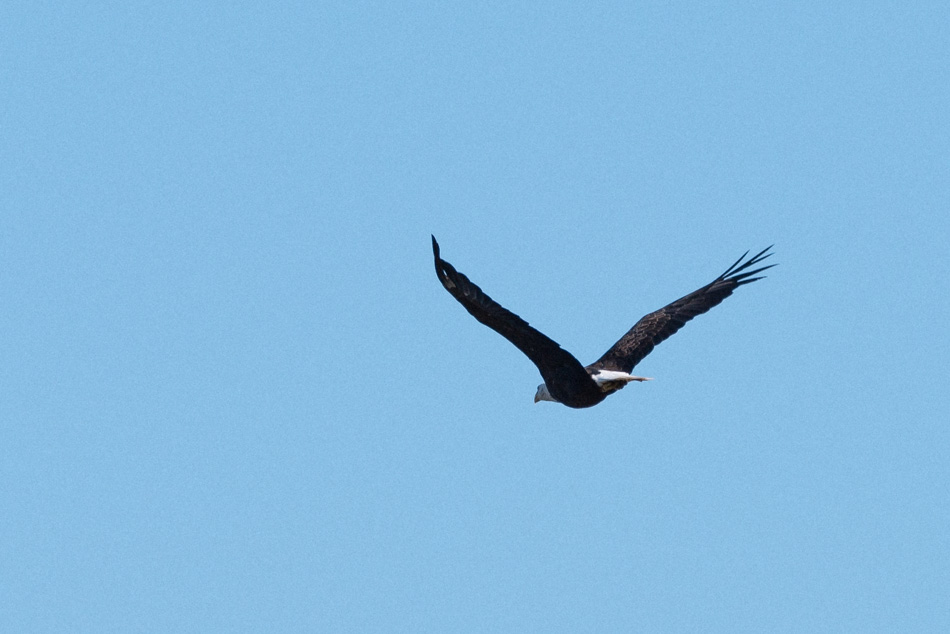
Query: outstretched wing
x=656, y=327
x=555, y=363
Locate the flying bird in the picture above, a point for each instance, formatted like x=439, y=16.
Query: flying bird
x=568, y=382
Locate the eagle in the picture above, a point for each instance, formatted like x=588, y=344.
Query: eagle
x=568, y=382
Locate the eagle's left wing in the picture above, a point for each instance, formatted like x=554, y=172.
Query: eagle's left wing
x=555, y=364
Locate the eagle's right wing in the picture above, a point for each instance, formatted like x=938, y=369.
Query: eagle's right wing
x=657, y=326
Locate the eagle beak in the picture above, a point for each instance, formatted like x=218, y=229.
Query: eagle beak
x=537, y=399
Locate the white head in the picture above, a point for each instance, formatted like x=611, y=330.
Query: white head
x=543, y=394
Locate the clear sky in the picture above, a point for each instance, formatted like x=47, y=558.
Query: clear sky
x=234, y=397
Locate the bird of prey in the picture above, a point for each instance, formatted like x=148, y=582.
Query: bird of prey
x=568, y=382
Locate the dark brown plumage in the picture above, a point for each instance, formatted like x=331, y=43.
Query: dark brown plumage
x=568, y=381
x=657, y=326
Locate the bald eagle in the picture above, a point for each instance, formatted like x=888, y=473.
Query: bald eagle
x=565, y=379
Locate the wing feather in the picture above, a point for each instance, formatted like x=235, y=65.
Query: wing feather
x=658, y=326
x=555, y=364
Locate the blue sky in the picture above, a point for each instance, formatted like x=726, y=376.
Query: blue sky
x=234, y=397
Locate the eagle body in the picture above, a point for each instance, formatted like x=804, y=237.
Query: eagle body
x=568, y=382
x=605, y=383
x=561, y=386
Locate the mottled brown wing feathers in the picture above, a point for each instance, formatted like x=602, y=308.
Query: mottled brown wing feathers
x=552, y=360
x=657, y=326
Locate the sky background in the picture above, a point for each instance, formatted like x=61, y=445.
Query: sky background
x=234, y=397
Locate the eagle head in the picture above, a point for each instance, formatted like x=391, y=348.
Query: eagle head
x=543, y=395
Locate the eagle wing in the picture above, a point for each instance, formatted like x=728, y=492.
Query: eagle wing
x=555, y=364
x=657, y=326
